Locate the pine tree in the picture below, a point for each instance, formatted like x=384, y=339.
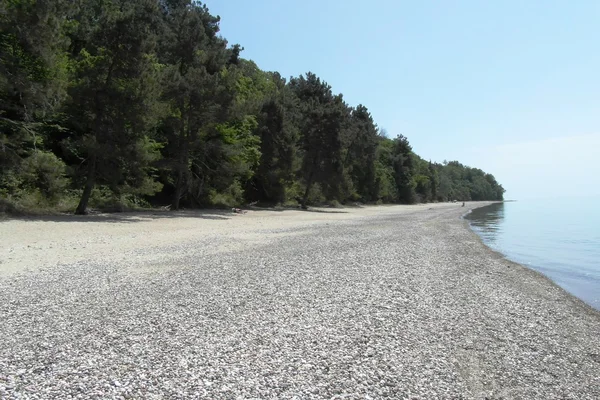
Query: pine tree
x=113, y=95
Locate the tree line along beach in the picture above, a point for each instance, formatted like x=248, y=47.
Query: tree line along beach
x=178, y=223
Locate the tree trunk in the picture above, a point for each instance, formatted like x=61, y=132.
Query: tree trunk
x=307, y=191
x=182, y=161
x=89, y=186
x=90, y=180
x=178, y=188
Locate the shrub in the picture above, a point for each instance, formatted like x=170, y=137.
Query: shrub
x=43, y=174
x=335, y=204
x=233, y=196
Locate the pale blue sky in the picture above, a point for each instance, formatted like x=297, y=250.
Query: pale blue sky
x=512, y=87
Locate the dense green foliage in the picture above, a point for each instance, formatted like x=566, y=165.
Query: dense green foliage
x=118, y=103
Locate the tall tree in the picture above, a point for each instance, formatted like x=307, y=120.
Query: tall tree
x=404, y=170
x=385, y=182
x=434, y=178
x=113, y=93
x=278, y=133
x=361, y=141
x=323, y=117
x=194, y=91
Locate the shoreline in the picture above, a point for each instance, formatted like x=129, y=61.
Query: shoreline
x=540, y=274
x=396, y=301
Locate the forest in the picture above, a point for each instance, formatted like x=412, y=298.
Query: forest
x=126, y=104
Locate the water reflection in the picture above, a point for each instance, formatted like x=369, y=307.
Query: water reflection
x=487, y=221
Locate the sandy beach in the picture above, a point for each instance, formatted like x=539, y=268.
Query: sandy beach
x=401, y=302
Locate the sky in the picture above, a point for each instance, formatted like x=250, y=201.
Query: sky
x=511, y=87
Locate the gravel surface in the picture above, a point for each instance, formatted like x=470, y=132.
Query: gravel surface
x=406, y=303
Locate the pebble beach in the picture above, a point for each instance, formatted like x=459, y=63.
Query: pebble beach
x=399, y=302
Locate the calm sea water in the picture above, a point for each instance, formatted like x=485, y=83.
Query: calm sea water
x=559, y=238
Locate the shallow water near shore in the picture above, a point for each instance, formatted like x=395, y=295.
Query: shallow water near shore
x=559, y=238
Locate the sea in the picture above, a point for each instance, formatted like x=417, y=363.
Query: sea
x=558, y=237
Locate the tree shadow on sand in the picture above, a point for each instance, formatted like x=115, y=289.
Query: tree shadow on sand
x=308, y=210
x=147, y=215
x=127, y=217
